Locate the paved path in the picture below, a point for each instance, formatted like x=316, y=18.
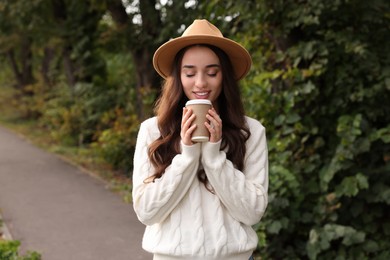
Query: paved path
x=60, y=211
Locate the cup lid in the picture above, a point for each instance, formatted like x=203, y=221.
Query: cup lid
x=198, y=101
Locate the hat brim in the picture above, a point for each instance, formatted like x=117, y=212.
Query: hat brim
x=164, y=56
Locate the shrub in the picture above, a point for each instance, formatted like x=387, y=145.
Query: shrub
x=116, y=144
x=9, y=251
x=320, y=86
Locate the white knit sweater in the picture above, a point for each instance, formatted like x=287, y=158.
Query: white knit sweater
x=183, y=219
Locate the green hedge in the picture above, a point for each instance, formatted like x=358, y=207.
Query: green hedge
x=321, y=86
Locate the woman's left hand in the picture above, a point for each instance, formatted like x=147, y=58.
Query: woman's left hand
x=215, y=126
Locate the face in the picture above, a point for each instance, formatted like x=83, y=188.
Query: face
x=201, y=74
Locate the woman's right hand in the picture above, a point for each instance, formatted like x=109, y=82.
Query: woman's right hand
x=186, y=126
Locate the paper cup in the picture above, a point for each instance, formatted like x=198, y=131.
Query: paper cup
x=200, y=108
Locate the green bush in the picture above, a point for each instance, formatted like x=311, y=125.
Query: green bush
x=9, y=251
x=68, y=116
x=116, y=144
x=321, y=89
x=78, y=115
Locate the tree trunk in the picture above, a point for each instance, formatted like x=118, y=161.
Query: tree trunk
x=118, y=13
x=68, y=67
x=15, y=69
x=48, y=55
x=26, y=59
x=140, y=46
x=60, y=14
x=146, y=77
x=23, y=74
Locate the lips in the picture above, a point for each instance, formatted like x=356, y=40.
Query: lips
x=201, y=95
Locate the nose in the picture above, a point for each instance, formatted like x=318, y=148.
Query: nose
x=200, y=81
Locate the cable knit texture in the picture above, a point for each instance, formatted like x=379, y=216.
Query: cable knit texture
x=183, y=219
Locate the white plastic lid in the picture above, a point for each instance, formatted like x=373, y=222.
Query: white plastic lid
x=198, y=101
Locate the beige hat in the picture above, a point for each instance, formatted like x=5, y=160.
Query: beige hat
x=202, y=32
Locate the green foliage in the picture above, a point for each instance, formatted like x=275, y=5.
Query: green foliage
x=102, y=117
x=116, y=144
x=9, y=251
x=70, y=116
x=325, y=75
x=321, y=239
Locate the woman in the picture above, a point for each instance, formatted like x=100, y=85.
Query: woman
x=199, y=200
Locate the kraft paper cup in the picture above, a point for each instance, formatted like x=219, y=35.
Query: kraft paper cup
x=200, y=108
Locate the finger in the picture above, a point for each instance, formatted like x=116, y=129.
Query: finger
x=187, y=134
x=210, y=127
x=215, y=135
x=186, y=114
x=215, y=115
x=187, y=128
x=187, y=122
x=215, y=123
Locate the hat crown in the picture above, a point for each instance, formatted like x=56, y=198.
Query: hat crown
x=202, y=27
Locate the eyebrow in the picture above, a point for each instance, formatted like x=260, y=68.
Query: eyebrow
x=208, y=66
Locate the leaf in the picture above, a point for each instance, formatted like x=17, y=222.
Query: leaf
x=371, y=246
x=348, y=187
x=279, y=120
x=353, y=237
x=362, y=181
x=292, y=118
x=384, y=134
x=275, y=227
x=351, y=185
x=308, y=87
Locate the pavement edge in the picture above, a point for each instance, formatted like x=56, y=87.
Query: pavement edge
x=5, y=234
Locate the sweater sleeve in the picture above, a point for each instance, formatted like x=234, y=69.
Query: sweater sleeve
x=244, y=194
x=154, y=201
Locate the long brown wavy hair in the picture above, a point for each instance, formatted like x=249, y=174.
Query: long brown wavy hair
x=169, y=107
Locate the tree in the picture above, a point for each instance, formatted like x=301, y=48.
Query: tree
x=16, y=40
x=145, y=27
x=76, y=25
